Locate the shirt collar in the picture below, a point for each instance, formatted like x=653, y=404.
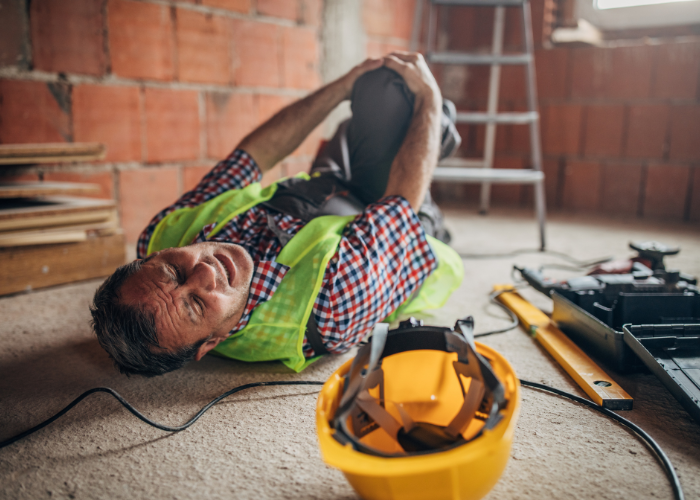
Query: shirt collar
x=267, y=276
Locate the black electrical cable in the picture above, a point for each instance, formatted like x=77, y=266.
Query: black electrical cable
x=666, y=463
x=553, y=253
x=513, y=318
x=140, y=415
x=660, y=455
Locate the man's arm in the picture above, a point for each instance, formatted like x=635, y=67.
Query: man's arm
x=275, y=139
x=412, y=168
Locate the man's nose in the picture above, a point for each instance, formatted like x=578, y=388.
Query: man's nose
x=203, y=277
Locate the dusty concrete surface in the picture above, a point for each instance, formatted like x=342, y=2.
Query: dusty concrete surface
x=262, y=443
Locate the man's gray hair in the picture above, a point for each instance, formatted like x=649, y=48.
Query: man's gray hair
x=128, y=333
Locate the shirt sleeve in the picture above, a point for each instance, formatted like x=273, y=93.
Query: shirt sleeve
x=382, y=259
x=236, y=171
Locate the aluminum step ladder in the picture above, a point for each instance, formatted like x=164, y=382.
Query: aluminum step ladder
x=480, y=170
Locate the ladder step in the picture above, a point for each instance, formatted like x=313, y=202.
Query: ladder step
x=463, y=162
x=493, y=175
x=462, y=58
x=503, y=118
x=479, y=3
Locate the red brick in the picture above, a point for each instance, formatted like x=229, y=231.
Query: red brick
x=230, y=117
x=685, y=133
x=12, y=46
x=311, y=12
x=403, y=18
x=192, y=175
x=141, y=40
x=604, y=130
x=172, y=124
x=630, y=75
x=34, y=112
x=288, y=9
x=561, y=128
x=142, y=194
x=234, y=5
x=104, y=179
x=551, y=67
x=513, y=83
x=666, y=191
x=203, y=48
x=646, y=131
x=507, y=194
x=20, y=178
x=694, y=214
x=378, y=17
x=582, y=182
x=590, y=71
x=299, y=58
x=109, y=115
x=268, y=105
x=677, y=69
x=621, y=189
x=68, y=36
x=256, y=53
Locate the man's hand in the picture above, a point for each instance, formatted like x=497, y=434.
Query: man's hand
x=412, y=168
x=349, y=79
x=414, y=70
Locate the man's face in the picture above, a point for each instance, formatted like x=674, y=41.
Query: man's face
x=195, y=292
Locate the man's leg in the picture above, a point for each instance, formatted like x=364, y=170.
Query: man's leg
x=363, y=148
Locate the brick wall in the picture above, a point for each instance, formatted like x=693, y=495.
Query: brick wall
x=620, y=125
x=169, y=86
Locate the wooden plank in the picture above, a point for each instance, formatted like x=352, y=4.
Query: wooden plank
x=32, y=267
x=26, y=154
x=18, y=214
x=61, y=234
x=599, y=386
x=33, y=189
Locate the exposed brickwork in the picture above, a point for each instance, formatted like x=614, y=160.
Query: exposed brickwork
x=582, y=182
x=604, y=129
x=121, y=133
x=203, y=48
x=621, y=189
x=68, y=36
x=685, y=133
x=694, y=205
x=104, y=179
x=143, y=193
x=232, y=5
x=561, y=128
x=172, y=125
x=299, y=58
x=141, y=40
x=552, y=67
x=646, y=132
x=13, y=46
x=256, y=54
x=666, y=191
x=288, y=9
x=229, y=118
x=34, y=112
x=677, y=71
x=192, y=175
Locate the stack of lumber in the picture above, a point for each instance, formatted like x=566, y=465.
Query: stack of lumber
x=48, y=235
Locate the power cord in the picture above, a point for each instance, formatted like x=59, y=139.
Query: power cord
x=660, y=455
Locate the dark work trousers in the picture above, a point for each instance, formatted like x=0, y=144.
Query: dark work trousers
x=354, y=165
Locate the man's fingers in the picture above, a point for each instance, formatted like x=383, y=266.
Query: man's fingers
x=393, y=62
x=407, y=56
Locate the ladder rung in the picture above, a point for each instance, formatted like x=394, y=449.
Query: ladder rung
x=463, y=162
x=504, y=118
x=478, y=3
x=462, y=58
x=493, y=175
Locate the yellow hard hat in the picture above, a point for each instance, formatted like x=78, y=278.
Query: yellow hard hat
x=420, y=412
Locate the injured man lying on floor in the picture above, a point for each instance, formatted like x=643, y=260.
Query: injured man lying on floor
x=308, y=265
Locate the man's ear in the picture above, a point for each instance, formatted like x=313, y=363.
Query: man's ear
x=206, y=347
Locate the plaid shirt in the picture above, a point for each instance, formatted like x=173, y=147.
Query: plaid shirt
x=382, y=258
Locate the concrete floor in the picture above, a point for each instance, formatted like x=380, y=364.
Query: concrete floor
x=262, y=443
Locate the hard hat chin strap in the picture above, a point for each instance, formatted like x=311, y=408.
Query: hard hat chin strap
x=485, y=393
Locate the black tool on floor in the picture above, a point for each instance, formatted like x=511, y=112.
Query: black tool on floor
x=634, y=312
